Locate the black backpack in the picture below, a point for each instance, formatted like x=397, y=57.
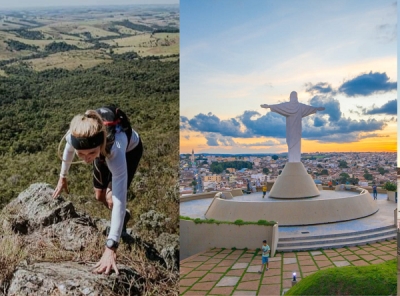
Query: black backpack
x=114, y=118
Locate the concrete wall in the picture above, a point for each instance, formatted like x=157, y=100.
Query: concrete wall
x=295, y=212
x=195, y=238
x=210, y=194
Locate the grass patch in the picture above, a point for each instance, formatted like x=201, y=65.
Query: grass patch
x=237, y=222
x=11, y=253
x=377, y=279
x=69, y=60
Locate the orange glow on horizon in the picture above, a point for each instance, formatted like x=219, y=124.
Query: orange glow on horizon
x=375, y=144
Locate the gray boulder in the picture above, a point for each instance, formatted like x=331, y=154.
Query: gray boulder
x=35, y=208
x=71, y=278
x=73, y=234
x=38, y=219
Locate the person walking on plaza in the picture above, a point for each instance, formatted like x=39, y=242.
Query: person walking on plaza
x=265, y=255
x=264, y=190
x=375, y=192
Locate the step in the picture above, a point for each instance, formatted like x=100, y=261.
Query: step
x=327, y=236
x=335, y=239
x=335, y=245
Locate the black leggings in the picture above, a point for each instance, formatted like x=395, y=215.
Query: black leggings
x=101, y=174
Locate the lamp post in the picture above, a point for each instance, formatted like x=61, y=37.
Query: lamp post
x=294, y=280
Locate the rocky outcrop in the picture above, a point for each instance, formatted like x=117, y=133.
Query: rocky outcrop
x=35, y=211
x=35, y=208
x=35, y=215
x=70, y=278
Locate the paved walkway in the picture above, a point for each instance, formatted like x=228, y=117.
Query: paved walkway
x=234, y=272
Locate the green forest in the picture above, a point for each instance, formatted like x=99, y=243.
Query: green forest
x=38, y=106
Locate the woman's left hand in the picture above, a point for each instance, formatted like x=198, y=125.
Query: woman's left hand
x=107, y=262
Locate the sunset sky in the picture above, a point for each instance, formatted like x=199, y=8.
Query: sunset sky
x=237, y=55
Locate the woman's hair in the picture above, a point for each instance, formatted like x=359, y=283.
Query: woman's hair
x=89, y=125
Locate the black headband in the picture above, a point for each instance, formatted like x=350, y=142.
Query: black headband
x=87, y=143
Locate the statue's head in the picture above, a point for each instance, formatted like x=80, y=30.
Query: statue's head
x=293, y=97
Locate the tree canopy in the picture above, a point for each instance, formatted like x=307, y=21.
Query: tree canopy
x=37, y=108
x=219, y=167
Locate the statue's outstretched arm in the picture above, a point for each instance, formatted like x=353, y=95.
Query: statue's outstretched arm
x=265, y=106
x=320, y=108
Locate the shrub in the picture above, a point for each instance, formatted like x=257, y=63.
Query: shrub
x=390, y=186
x=239, y=222
x=376, y=279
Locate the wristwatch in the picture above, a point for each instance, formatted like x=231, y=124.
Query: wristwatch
x=111, y=244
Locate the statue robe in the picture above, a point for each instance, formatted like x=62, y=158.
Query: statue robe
x=294, y=112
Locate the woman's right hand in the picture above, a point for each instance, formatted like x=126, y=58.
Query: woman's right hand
x=62, y=184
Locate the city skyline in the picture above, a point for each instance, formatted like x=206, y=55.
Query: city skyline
x=236, y=57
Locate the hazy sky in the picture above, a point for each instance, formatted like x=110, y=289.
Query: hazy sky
x=41, y=3
x=236, y=55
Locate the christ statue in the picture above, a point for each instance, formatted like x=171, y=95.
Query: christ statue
x=294, y=112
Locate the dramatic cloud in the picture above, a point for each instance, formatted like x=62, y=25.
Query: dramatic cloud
x=212, y=140
x=274, y=125
x=341, y=128
x=388, y=108
x=367, y=84
x=219, y=140
x=184, y=123
x=319, y=121
x=268, y=125
x=211, y=123
x=332, y=106
x=321, y=87
x=326, y=126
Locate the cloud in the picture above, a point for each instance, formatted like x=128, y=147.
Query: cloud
x=367, y=84
x=273, y=125
x=327, y=126
x=372, y=135
x=344, y=130
x=319, y=121
x=211, y=123
x=387, y=32
x=212, y=140
x=263, y=144
x=219, y=140
x=268, y=125
x=388, y=108
x=184, y=123
x=321, y=87
x=332, y=106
